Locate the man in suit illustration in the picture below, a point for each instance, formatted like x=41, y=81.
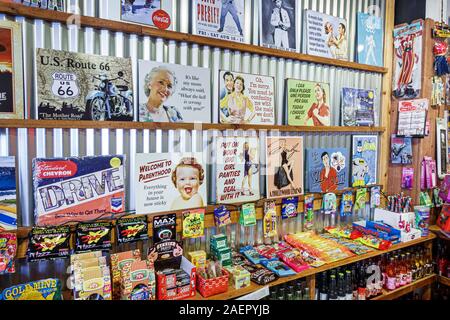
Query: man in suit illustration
x=280, y=20
x=228, y=6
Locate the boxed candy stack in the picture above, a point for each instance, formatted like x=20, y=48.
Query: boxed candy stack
x=212, y=280
x=177, y=282
x=220, y=250
x=198, y=258
x=91, y=276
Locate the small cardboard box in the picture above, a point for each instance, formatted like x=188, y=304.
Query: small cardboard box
x=413, y=234
x=239, y=277
x=198, y=259
x=165, y=293
x=218, y=241
x=402, y=221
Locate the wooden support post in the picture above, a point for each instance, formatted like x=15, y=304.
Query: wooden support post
x=311, y=281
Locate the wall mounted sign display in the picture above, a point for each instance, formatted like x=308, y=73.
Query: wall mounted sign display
x=246, y=98
x=78, y=86
x=284, y=167
x=364, y=160
x=326, y=36
x=169, y=181
x=8, y=194
x=223, y=19
x=278, y=24
x=56, y=5
x=48, y=243
x=408, y=61
x=173, y=93
x=308, y=103
x=237, y=170
x=401, y=150
x=412, y=117
x=164, y=227
x=357, y=107
x=327, y=169
x=370, y=39
x=193, y=223
x=442, y=147
x=155, y=13
x=11, y=76
x=78, y=189
x=132, y=229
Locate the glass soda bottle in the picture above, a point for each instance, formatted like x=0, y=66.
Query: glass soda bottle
x=408, y=268
x=403, y=270
x=398, y=276
x=390, y=275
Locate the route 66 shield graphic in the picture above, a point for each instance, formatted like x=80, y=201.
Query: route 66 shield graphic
x=65, y=85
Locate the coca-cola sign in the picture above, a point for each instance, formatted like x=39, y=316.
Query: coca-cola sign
x=161, y=19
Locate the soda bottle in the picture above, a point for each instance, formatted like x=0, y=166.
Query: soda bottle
x=362, y=284
x=332, y=295
x=341, y=286
x=403, y=270
x=323, y=287
x=398, y=275
x=408, y=268
x=390, y=275
x=348, y=285
x=354, y=282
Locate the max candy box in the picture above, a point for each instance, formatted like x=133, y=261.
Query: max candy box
x=49, y=289
x=164, y=227
x=78, y=189
x=48, y=243
x=8, y=249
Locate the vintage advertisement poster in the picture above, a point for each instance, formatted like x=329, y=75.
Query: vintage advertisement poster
x=173, y=93
x=327, y=169
x=357, y=107
x=407, y=79
x=401, y=150
x=169, y=182
x=153, y=13
x=278, y=24
x=246, y=98
x=370, y=39
x=237, y=173
x=220, y=19
x=308, y=103
x=11, y=76
x=78, y=86
x=284, y=156
x=56, y=5
x=412, y=117
x=78, y=189
x=8, y=200
x=326, y=36
x=364, y=160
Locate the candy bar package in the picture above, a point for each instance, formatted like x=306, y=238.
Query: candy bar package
x=375, y=197
x=8, y=249
x=259, y=274
x=238, y=258
x=93, y=236
x=138, y=281
x=166, y=255
x=270, y=219
x=347, y=204
x=360, y=199
x=407, y=178
x=251, y=254
x=278, y=267
x=309, y=212
x=289, y=208
x=222, y=216
x=132, y=230
x=353, y=246
x=78, y=189
x=48, y=243
x=118, y=261
x=293, y=259
x=193, y=223
x=164, y=227
x=49, y=289
x=93, y=283
x=248, y=215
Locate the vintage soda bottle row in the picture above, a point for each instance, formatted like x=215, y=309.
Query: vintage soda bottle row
x=294, y=290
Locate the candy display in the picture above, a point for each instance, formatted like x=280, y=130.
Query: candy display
x=48, y=289
x=118, y=261
x=8, y=248
x=48, y=243
x=138, y=281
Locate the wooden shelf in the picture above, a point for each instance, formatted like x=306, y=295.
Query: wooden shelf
x=232, y=293
x=397, y=293
x=118, y=26
x=444, y=280
x=68, y=124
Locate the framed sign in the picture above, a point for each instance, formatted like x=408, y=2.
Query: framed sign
x=364, y=160
x=412, y=117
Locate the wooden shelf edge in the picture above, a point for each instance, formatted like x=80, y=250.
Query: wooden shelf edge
x=391, y=295
x=444, y=280
x=232, y=293
x=72, y=124
x=119, y=26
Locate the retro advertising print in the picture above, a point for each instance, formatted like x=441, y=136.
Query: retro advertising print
x=412, y=117
x=78, y=86
x=170, y=182
x=246, y=98
x=278, y=24
x=364, y=160
x=220, y=19
x=8, y=200
x=370, y=39
x=357, y=107
x=237, y=170
x=326, y=36
x=284, y=167
x=56, y=5
x=408, y=61
x=174, y=93
x=11, y=77
x=78, y=189
x=308, y=103
x=327, y=169
x=401, y=150
x=153, y=13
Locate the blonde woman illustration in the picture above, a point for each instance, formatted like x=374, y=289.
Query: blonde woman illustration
x=236, y=105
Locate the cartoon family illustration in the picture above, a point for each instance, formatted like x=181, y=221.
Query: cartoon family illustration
x=234, y=104
x=337, y=43
x=187, y=177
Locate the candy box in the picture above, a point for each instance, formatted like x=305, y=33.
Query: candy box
x=118, y=262
x=413, y=234
x=444, y=192
x=211, y=287
x=86, y=255
x=198, y=258
x=218, y=241
x=278, y=267
x=239, y=277
x=92, y=283
x=164, y=292
x=49, y=289
x=138, y=281
x=401, y=221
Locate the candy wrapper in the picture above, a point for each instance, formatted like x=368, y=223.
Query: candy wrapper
x=289, y=208
x=8, y=249
x=132, y=230
x=347, y=204
x=361, y=197
x=294, y=260
x=371, y=241
x=329, y=203
x=407, y=178
x=309, y=212
x=248, y=215
x=193, y=223
x=343, y=232
x=270, y=219
x=222, y=216
x=375, y=197
x=48, y=243
x=49, y=289
x=93, y=236
x=164, y=227
x=278, y=267
x=260, y=275
x=353, y=246
x=238, y=258
x=252, y=254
